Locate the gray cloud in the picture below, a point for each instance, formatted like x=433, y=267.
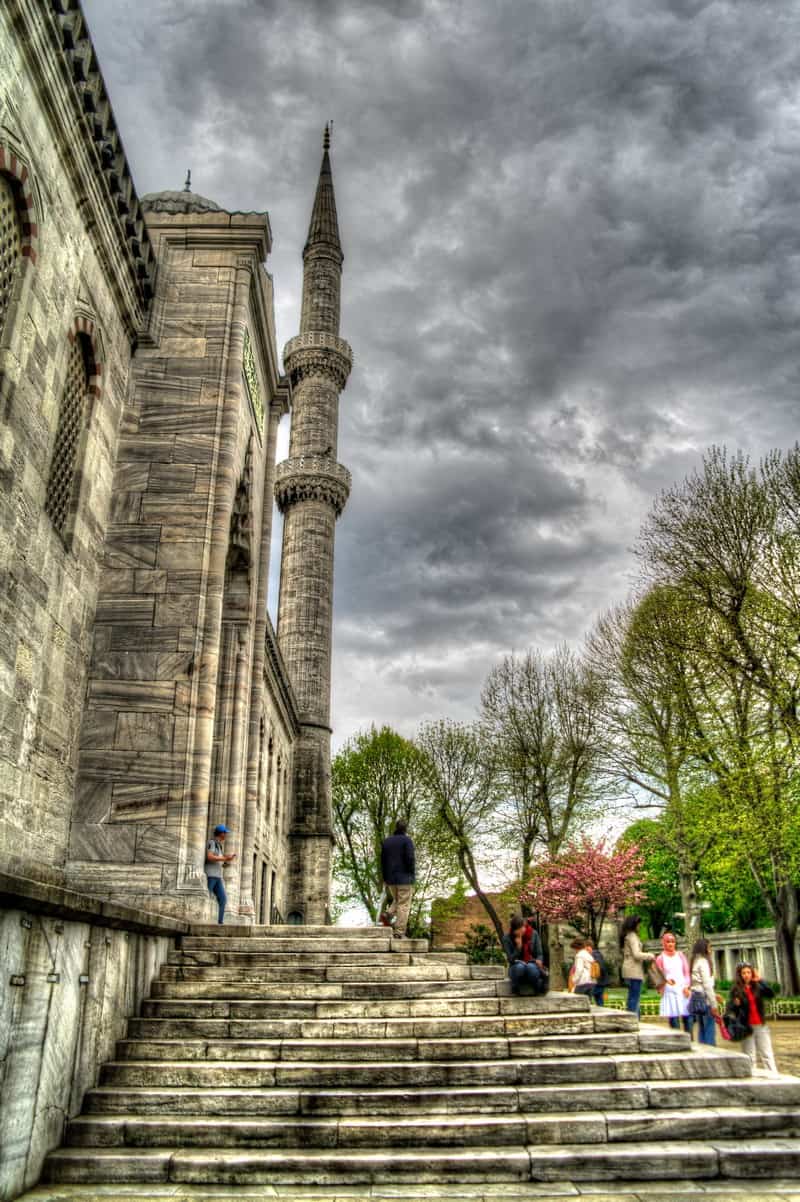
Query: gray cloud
x=572, y=244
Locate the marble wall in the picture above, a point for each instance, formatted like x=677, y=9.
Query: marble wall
x=66, y=992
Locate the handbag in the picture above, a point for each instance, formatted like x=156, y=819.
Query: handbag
x=655, y=977
x=698, y=1006
x=722, y=1027
x=737, y=1027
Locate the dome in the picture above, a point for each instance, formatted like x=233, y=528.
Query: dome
x=177, y=202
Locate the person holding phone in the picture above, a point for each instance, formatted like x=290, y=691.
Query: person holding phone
x=216, y=859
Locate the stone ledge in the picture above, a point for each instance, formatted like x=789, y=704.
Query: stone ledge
x=23, y=893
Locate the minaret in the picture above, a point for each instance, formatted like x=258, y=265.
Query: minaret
x=311, y=489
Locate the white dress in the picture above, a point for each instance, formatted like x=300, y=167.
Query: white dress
x=673, y=1003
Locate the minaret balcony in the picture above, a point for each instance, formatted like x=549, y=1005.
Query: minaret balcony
x=318, y=353
x=312, y=478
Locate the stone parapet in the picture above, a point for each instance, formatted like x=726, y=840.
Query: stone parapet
x=312, y=478
x=318, y=353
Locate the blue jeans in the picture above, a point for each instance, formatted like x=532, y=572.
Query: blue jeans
x=527, y=974
x=707, y=1032
x=634, y=993
x=216, y=887
x=597, y=994
x=687, y=1022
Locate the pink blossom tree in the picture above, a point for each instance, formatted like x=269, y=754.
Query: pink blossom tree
x=585, y=885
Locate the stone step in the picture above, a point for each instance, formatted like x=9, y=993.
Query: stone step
x=522, y=1047
x=330, y=990
x=322, y=971
x=230, y=930
x=379, y=1028
x=269, y=958
x=690, y=1160
x=605, y=1096
x=382, y=941
x=437, y=1130
x=454, y=1006
x=220, y=1074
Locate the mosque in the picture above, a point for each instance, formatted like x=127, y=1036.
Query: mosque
x=144, y=694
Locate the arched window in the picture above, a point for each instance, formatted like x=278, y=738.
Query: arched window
x=10, y=243
x=61, y=485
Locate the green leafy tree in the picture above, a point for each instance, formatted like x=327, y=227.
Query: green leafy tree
x=377, y=778
x=724, y=545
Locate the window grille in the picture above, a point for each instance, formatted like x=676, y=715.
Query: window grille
x=61, y=485
x=10, y=244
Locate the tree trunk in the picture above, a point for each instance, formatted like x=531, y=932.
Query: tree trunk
x=786, y=918
x=687, y=883
x=471, y=873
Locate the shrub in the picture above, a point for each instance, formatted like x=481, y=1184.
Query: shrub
x=481, y=946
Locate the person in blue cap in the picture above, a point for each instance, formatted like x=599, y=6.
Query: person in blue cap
x=216, y=858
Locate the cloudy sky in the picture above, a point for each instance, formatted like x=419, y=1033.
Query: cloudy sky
x=572, y=246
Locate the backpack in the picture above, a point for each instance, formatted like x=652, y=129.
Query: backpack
x=595, y=971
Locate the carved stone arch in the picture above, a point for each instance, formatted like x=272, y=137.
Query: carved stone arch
x=20, y=208
x=67, y=480
x=240, y=541
x=15, y=165
x=83, y=325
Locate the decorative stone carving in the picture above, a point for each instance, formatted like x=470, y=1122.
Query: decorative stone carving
x=318, y=354
x=239, y=549
x=312, y=478
x=251, y=380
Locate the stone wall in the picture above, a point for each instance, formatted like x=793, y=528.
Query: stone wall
x=74, y=277
x=74, y=970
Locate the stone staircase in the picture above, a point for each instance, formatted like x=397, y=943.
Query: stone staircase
x=313, y=1056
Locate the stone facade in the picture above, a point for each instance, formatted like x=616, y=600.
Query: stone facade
x=144, y=695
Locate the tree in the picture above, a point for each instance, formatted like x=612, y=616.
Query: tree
x=542, y=715
x=725, y=544
x=378, y=777
x=661, y=897
x=639, y=651
x=586, y=884
x=462, y=775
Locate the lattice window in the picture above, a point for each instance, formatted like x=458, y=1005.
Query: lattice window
x=63, y=469
x=10, y=244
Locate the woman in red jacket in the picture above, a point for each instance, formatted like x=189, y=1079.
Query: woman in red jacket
x=747, y=1002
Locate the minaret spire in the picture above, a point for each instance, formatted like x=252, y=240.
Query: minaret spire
x=323, y=229
x=311, y=489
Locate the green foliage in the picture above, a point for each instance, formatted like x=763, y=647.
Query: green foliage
x=376, y=778
x=481, y=946
x=661, y=894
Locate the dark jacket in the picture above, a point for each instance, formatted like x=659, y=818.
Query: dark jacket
x=533, y=948
x=397, y=860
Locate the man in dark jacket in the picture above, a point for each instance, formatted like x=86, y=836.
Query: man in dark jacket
x=398, y=869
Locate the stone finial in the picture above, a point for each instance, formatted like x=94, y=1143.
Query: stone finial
x=187, y=187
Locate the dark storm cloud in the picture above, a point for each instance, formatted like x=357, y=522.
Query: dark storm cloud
x=572, y=250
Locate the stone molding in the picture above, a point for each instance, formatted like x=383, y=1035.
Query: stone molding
x=312, y=478
x=276, y=671
x=16, y=168
x=39, y=897
x=318, y=354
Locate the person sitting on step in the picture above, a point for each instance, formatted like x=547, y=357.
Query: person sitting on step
x=524, y=954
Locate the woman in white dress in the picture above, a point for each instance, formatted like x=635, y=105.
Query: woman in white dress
x=674, y=968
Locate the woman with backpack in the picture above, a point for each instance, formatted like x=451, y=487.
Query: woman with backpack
x=676, y=988
x=703, y=999
x=633, y=960
x=746, y=1008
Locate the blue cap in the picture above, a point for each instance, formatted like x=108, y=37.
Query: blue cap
x=221, y=830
